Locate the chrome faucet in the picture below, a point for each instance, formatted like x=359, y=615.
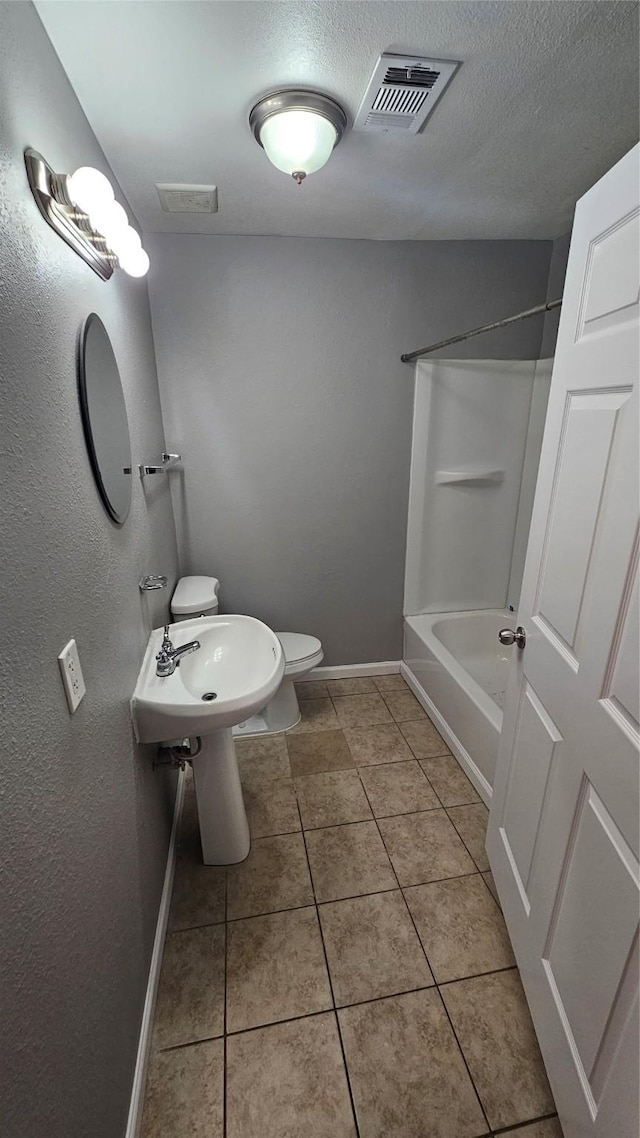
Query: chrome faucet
x=169, y=657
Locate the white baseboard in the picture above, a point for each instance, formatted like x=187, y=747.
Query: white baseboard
x=352, y=671
x=144, y=1043
x=473, y=772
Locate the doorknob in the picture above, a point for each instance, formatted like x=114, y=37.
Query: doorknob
x=508, y=636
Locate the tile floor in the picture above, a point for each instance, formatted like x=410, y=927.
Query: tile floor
x=353, y=977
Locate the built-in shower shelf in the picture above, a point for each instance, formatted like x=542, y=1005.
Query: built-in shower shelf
x=478, y=477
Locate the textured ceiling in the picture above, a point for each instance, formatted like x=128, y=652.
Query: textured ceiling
x=545, y=102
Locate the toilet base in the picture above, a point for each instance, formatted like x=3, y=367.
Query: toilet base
x=224, y=830
x=281, y=714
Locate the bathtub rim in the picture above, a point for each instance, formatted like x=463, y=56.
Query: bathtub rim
x=487, y=705
x=471, y=688
x=472, y=771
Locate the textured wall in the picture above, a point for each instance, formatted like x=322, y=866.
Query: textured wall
x=555, y=286
x=282, y=386
x=84, y=821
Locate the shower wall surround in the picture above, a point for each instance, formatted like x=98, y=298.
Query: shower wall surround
x=531, y=462
x=282, y=388
x=84, y=819
x=470, y=431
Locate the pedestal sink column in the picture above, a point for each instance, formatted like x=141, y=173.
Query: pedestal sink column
x=224, y=830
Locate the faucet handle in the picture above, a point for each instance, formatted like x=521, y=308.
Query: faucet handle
x=166, y=645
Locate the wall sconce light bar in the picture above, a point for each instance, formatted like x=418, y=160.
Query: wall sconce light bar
x=101, y=236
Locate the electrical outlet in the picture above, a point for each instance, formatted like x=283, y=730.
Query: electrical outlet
x=72, y=678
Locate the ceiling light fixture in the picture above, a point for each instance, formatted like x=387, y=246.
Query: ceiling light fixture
x=82, y=209
x=298, y=130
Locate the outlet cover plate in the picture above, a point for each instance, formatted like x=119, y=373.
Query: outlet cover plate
x=72, y=677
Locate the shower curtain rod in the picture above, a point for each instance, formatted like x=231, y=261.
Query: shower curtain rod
x=409, y=357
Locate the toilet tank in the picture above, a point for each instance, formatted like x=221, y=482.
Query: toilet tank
x=195, y=596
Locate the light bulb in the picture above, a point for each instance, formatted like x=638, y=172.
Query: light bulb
x=89, y=190
x=124, y=242
x=298, y=141
x=110, y=220
x=134, y=262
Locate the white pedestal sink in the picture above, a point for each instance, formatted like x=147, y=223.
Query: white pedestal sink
x=234, y=673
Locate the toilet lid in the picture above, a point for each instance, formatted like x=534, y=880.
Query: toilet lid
x=297, y=646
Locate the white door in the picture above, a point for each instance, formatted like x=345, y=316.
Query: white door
x=563, y=829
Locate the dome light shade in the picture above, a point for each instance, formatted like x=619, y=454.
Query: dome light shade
x=298, y=141
x=298, y=130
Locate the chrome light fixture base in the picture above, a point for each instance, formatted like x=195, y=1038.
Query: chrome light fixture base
x=48, y=190
x=294, y=99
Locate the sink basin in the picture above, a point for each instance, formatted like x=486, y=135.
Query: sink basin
x=234, y=673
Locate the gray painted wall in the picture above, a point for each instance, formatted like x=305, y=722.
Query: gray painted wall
x=282, y=387
x=84, y=821
x=555, y=288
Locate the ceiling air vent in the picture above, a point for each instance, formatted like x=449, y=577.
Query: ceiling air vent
x=177, y=198
x=403, y=92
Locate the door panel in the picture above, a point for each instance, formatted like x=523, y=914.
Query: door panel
x=593, y=925
x=621, y=688
x=589, y=428
x=563, y=836
x=535, y=743
x=612, y=279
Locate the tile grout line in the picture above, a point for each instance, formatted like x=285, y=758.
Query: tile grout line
x=446, y=1010
x=436, y=985
x=523, y=1126
x=189, y=1043
x=399, y=691
x=452, y=805
x=476, y=975
x=247, y=1030
x=477, y=870
x=447, y=809
x=494, y=1133
x=344, y=1007
x=326, y=964
x=307, y=1015
x=391, y=723
x=398, y=723
x=333, y=900
x=464, y=1060
x=342, y=725
x=483, y=873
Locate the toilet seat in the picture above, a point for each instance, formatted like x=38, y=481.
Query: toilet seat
x=301, y=652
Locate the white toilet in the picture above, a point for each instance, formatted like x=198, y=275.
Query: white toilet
x=198, y=596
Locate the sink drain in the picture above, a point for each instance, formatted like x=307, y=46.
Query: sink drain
x=209, y=695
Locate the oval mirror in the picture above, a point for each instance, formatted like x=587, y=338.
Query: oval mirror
x=104, y=418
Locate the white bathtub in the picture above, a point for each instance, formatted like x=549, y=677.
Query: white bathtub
x=458, y=669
